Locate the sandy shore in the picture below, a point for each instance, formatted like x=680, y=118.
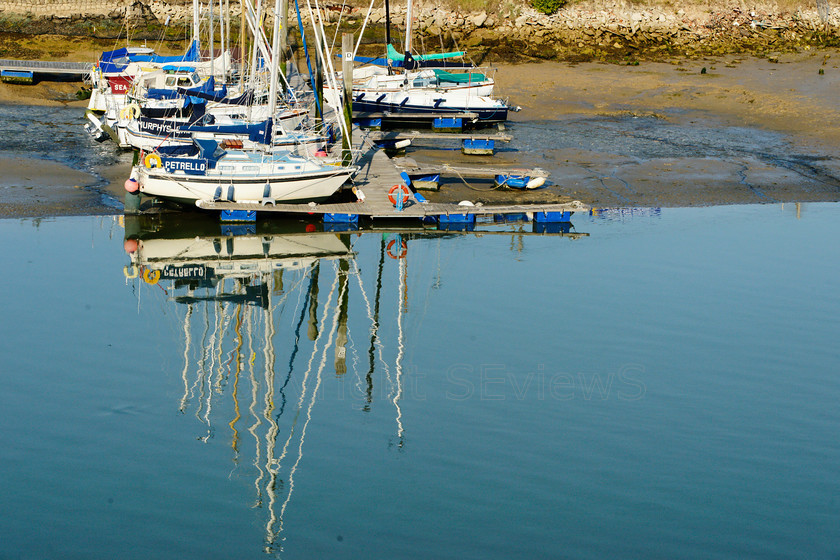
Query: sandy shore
x=788, y=96
x=793, y=98
x=35, y=188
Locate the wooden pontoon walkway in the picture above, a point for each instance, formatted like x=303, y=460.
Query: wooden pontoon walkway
x=375, y=178
x=46, y=67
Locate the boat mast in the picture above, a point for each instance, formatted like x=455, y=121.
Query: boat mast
x=222, y=30
x=242, y=49
x=408, y=27
x=275, y=60
x=388, y=34
x=212, y=39
x=387, y=23
x=196, y=17
x=283, y=17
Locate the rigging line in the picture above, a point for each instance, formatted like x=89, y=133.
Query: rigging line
x=311, y=404
x=375, y=339
x=273, y=518
x=374, y=317
x=362, y=32
x=268, y=397
x=355, y=361
x=282, y=300
x=308, y=371
x=236, y=354
x=320, y=44
x=215, y=344
x=400, y=350
x=338, y=24
x=308, y=61
x=202, y=362
x=220, y=369
x=371, y=353
x=187, y=346
x=296, y=347
x=255, y=387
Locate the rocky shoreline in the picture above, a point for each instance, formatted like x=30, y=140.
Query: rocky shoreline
x=612, y=31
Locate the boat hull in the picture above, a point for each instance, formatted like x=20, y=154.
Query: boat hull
x=302, y=188
x=486, y=115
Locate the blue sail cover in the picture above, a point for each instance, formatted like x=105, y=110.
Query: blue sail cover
x=220, y=96
x=397, y=60
x=207, y=87
x=257, y=132
x=116, y=61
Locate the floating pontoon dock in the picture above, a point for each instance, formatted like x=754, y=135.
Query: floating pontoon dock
x=26, y=69
x=377, y=176
x=478, y=171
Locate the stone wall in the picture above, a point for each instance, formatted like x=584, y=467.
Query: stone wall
x=160, y=9
x=590, y=29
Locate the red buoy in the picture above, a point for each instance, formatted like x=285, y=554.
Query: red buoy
x=131, y=185
x=130, y=246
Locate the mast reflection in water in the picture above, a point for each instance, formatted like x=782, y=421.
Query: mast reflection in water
x=263, y=319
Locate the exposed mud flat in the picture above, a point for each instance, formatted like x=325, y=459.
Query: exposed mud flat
x=709, y=131
x=36, y=188
x=747, y=130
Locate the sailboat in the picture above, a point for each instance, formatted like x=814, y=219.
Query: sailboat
x=237, y=175
x=414, y=84
x=115, y=74
x=214, y=169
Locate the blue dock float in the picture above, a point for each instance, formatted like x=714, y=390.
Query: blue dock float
x=552, y=217
x=478, y=147
x=510, y=218
x=374, y=124
x=17, y=76
x=234, y=230
x=239, y=216
x=336, y=218
x=340, y=227
x=457, y=226
x=446, y=123
x=552, y=227
x=447, y=219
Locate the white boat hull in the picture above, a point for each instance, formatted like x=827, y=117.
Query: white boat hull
x=289, y=188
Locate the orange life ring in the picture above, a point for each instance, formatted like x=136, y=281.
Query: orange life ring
x=404, y=193
x=403, y=249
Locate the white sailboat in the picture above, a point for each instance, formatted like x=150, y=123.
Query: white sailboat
x=423, y=84
x=238, y=175
x=223, y=172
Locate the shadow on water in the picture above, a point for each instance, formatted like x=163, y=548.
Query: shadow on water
x=263, y=316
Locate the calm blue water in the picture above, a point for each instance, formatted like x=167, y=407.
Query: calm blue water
x=666, y=387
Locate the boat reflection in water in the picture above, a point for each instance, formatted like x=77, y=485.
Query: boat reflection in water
x=262, y=310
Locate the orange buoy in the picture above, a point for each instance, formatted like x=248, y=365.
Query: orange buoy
x=399, y=191
x=130, y=246
x=131, y=185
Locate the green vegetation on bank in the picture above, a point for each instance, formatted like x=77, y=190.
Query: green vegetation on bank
x=547, y=6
